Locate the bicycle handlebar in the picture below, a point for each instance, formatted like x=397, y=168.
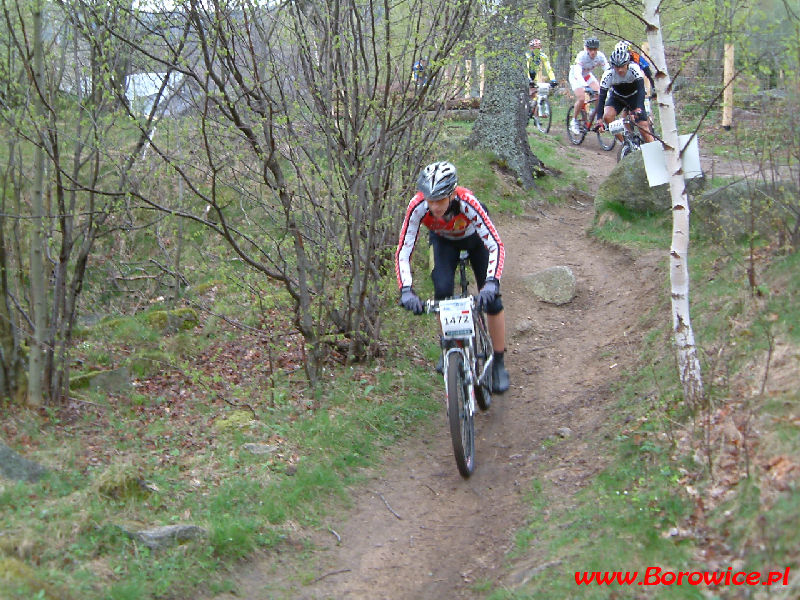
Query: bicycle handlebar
x=431, y=305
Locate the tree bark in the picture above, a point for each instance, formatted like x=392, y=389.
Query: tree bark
x=38, y=288
x=688, y=362
x=560, y=15
x=501, y=126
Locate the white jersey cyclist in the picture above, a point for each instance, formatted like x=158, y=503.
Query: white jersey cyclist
x=465, y=217
x=582, y=71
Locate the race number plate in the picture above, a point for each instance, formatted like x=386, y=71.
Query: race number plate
x=617, y=126
x=544, y=88
x=456, y=318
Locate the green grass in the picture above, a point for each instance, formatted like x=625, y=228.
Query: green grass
x=70, y=524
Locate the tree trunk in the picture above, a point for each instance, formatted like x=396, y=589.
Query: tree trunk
x=560, y=15
x=503, y=117
x=688, y=362
x=38, y=288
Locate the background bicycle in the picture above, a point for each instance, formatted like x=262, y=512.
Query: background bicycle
x=467, y=367
x=604, y=138
x=539, y=110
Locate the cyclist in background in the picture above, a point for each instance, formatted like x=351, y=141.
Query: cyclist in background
x=640, y=60
x=621, y=88
x=534, y=57
x=420, y=72
x=581, y=75
x=456, y=221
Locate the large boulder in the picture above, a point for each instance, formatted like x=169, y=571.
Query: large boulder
x=173, y=321
x=17, y=468
x=626, y=189
x=731, y=211
x=111, y=381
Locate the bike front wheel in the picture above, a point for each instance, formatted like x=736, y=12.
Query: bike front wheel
x=575, y=138
x=606, y=139
x=459, y=414
x=627, y=147
x=545, y=117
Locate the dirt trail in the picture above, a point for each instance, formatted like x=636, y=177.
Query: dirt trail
x=417, y=529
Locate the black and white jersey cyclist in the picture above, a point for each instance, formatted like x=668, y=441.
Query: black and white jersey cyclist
x=456, y=221
x=622, y=88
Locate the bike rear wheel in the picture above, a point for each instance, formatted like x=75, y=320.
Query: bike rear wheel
x=545, y=116
x=459, y=414
x=483, y=352
x=576, y=139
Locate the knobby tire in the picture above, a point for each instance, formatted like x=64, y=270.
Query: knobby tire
x=576, y=140
x=543, y=122
x=629, y=146
x=607, y=140
x=483, y=352
x=462, y=426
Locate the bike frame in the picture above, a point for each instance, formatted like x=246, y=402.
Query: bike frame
x=464, y=332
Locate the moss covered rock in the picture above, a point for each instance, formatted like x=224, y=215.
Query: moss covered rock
x=735, y=211
x=20, y=578
x=172, y=321
x=111, y=381
x=626, y=190
x=237, y=419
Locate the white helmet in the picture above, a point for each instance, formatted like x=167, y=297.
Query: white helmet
x=619, y=58
x=437, y=180
x=623, y=45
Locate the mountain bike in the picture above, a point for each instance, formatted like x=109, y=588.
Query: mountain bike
x=632, y=138
x=605, y=140
x=467, y=366
x=539, y=108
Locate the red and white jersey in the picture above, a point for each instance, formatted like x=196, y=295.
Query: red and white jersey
x=464, y=217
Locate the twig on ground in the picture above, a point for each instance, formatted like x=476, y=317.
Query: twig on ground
x=435, y=493
x=391, y=510
x=321, y=577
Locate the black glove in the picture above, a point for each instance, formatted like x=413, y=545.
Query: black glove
x=410, y=301
x=554, y=84
x=488, y=293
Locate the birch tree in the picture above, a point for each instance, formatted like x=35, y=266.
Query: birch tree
x=688, y=361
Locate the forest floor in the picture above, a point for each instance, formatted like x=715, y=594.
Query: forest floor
x=416, y=528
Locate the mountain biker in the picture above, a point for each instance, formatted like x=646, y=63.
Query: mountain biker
x=581, y=75
x=420, y=72
x=622, y=87
x=533, y=58
x=640, y=60
x=456, y=221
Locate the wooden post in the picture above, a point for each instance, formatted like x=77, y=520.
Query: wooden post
x=727, y=94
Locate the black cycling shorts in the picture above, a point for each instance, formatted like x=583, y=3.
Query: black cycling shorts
x=619, y=104
x=445, y=261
